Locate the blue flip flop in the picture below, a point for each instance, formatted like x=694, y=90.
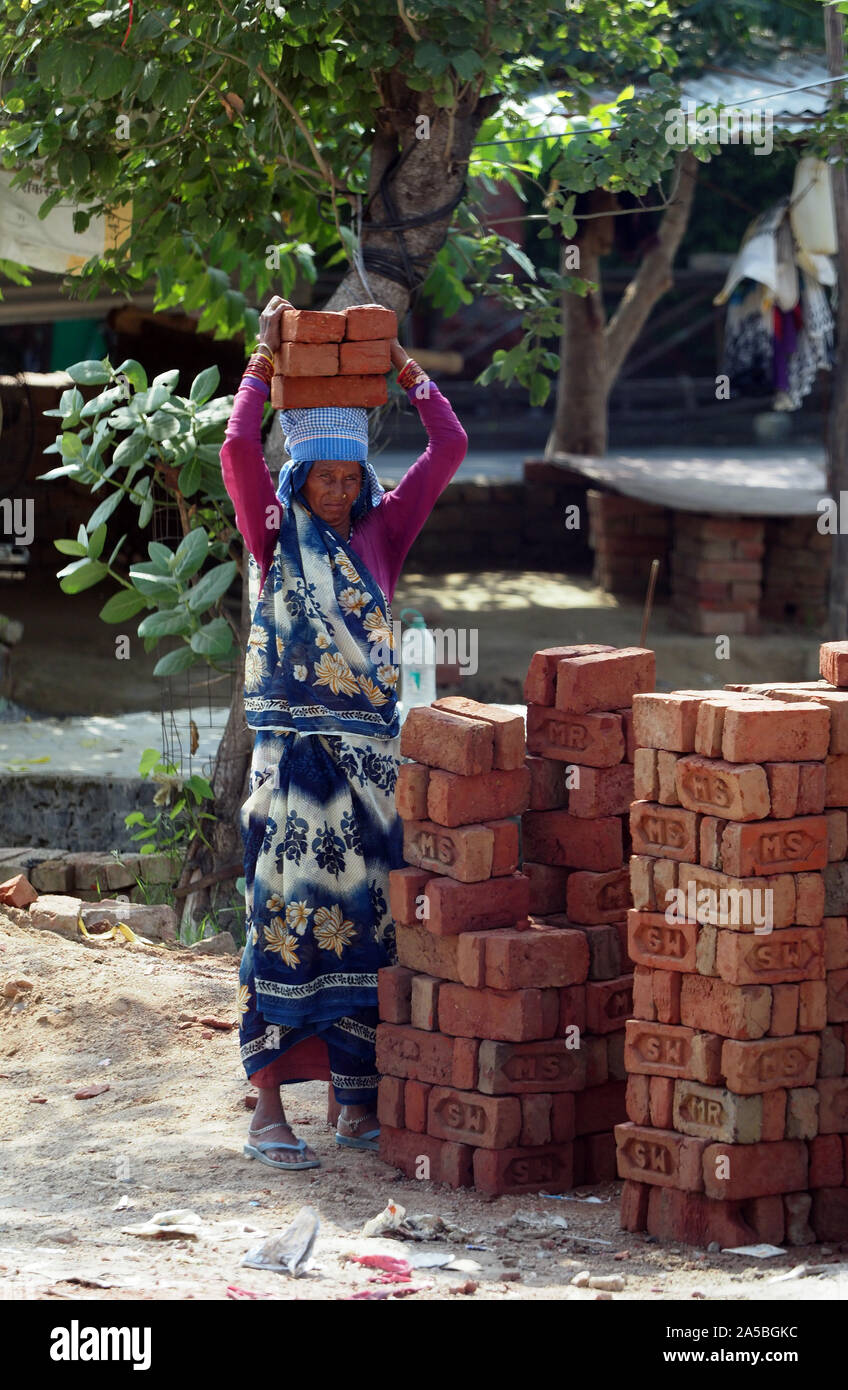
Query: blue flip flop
x=369, y=1141
x=259, y=1151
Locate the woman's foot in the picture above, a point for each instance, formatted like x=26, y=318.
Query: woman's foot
x=355, y=1121
x=270, y=1117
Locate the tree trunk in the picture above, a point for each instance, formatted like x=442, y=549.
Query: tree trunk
x=593, y=351
x=837, y=422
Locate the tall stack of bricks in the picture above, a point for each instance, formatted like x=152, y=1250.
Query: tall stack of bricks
x=796, y=571
x=626, y=535
x=337, y=359
x=477, y=1080
x=737, y=1094
x=579, y=740
x=717, y=573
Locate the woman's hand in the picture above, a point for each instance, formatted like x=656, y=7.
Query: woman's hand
x=399, y=355
x=270, y=321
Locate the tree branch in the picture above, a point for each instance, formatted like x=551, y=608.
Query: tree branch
x=654, y=275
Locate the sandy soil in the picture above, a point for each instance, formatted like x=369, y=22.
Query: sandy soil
x=168, y=1134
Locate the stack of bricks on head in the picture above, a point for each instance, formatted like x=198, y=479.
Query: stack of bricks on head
x=333, y=359
x=737, y=1091
x=501, y=1045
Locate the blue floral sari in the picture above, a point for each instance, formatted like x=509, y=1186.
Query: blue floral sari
x=319, y=825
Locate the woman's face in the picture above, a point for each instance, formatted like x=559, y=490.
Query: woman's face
x=331, y=488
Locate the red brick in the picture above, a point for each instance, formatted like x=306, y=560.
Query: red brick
x=530, y=1068
x=661, y=1099
x=837, y=996
x=766, y=1215
x=424, y=1003
x=812, y=1008
x=837, y=835
x=390, y=1101
x=603, y=680
x=305, y=392
x=832, y=1058
x=629, y=735
x=784, y=783
x=827, y=1164
x=833, y=662
x=734, y=791
x=547, y=783
x=657, y=1049
x=634, y=1206
x=394, y=993
x=507, y=728
x=562, y=1116
x=835, y=943
x=419, y=1056
x=695, y=877
x=364, y=322
x=781, y=957
x=470, y=1117
x=812, y=789
x=732, y=1011
x=655, y=942
x=457, y=907
x=666, y=987
x=572, y=1009
x=590, y=740
x=695, y=1220
x=505, y=850
x=549, y=1168
x=797, y=733
x=465, y=1068
x=606, y=957
x=308, y=359
x=666, y=778
x=768, y=847
x=637, y=1098
x=446, y=741
x=547, y=887
x=784, y=1011
x=664, y=832
x=447, y=1163
x=311, y=326
x=665, y=721
x=810, y=898
x=555, y=837
x=643, y=994
x=598, y=1108
x=829, y=1215
x=646, y=785
x=540, y=683
x=418, y=949
x=406, y=886
x=542, y=957
x=597, y=1068
x=415, y=1096
x=453, y=799
x=595, y=898
x=601, y=791
x=536, y=1120
x=411, y=791
x=660, y=1157
x=609, y=1003
x=774, y=1115
x=833, y=1104
x=464, y=852
x=365, y=358
x=519, y=1015
x=768, y=1065
x=599, y=1164
x=17, y=892
x=755, y=1170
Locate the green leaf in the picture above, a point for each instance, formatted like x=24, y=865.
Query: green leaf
x=161, y=557
x=151, y=583
x=83, y=574
x=204, y=385
x=122, y=605
x=97, y=538
x=191, y=475
x=102, y=513
x=466, y=64
x=89, y=373
x=175, y=622
x=191, y=553
x=71, y=548
x=135, y=374
x=173, y=662
x=71, y=445
x=200, y=789
x=214, y=639
x=131, y=449
x=212, y=586
x=149, y=758
x=162, y=425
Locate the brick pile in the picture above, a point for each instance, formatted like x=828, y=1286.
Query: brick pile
x=338, y=359
x=475, y=1083
x=796, y=571
x=626, y=535
x=579, y=739
x=737, y=1093
x=717, y=573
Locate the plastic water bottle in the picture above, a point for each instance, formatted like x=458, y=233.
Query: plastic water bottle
x=418, y=663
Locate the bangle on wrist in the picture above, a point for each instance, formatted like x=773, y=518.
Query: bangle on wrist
x=265, y=350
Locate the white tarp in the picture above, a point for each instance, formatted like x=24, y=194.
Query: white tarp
x=52, y=244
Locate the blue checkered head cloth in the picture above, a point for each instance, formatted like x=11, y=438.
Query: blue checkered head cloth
x=327, y=432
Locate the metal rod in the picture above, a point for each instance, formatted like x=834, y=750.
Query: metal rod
x=649, y=601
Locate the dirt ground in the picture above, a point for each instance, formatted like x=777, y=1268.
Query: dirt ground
x=168, y=1135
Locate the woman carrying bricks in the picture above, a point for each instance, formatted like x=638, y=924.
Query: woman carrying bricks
x=319, y=825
